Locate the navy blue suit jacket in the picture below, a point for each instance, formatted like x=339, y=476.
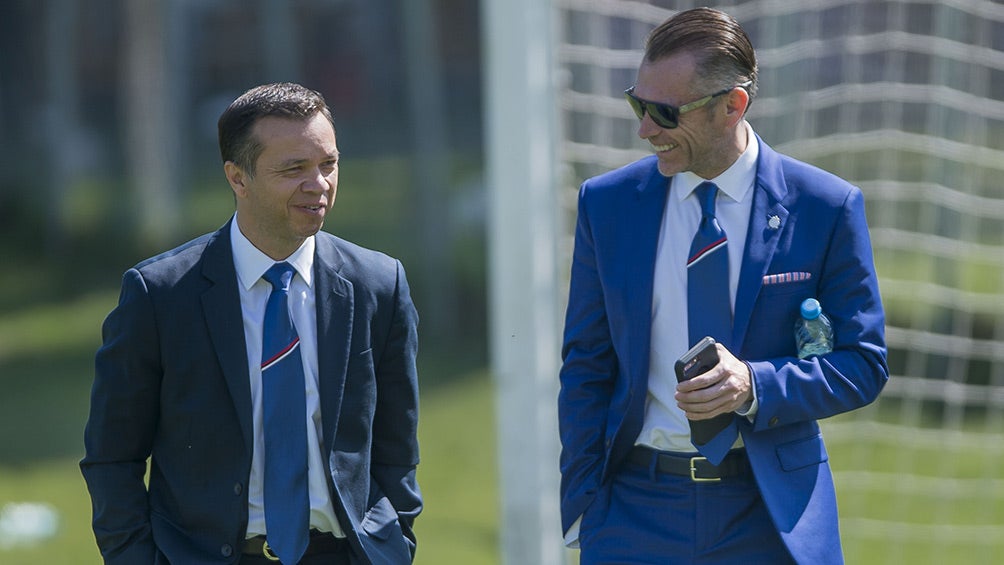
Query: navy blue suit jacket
x=604, y=376
x=171, y=384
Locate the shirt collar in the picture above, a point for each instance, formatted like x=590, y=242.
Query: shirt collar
x=735, y=182
x=251, y=263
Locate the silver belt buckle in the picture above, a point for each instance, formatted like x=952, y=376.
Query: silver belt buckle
x=693, y=472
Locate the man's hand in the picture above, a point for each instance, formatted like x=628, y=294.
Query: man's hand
x=726, y=387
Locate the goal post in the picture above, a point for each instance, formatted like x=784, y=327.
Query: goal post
x=524, y=272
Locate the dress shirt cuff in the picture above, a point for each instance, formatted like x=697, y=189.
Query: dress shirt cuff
x=749, y=409
x=572, y=535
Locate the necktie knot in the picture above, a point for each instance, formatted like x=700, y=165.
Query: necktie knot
x=706, y=194
x=279, y=276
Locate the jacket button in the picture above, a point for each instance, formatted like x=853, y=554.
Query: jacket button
x=772, y=422
x=226, y=550
x=238, y=489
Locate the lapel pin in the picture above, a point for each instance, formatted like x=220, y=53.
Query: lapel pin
x=774, y=222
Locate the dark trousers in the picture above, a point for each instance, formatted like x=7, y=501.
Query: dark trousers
x=645, y=516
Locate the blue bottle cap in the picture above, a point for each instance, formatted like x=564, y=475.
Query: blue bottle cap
x=811, y=309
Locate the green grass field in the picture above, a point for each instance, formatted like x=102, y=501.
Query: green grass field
x=955, y=506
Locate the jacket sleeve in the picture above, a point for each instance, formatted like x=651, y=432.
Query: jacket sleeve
x=794, y=390
x=395, y=423
x=589, y=367
x=121, y=426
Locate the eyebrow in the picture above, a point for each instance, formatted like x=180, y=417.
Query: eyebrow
x=288, y=164
x=291, y=163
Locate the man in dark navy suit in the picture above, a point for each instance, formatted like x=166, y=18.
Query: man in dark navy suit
x=186, y=378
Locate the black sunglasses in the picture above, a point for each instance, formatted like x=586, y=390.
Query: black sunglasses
x=666, y=116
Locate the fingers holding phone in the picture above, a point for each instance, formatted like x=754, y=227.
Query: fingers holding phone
x=712, y=381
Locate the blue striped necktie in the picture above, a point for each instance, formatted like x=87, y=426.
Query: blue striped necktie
x=284, y=410
x=709, y=313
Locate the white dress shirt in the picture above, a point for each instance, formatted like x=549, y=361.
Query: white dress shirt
x=251, y=264
x=665, y=426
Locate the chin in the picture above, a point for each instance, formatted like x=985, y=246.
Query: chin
x=304, y=231
x=668, y=170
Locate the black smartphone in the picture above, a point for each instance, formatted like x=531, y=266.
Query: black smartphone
x=699, y=359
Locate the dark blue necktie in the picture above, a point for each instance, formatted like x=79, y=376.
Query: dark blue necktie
x=284, y=409
x=709, y=313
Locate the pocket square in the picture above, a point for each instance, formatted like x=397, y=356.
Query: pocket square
x=781, y=278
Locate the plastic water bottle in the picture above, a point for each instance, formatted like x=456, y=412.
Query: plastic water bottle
x=813, y=331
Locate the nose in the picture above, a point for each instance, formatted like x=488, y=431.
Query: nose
x=647, y=128
x=316, y=182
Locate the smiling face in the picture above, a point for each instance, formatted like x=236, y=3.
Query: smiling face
x=286, y=198
x=707, y=140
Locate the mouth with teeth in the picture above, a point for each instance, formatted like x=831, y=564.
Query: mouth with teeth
x=664, y=148
x=313, y=208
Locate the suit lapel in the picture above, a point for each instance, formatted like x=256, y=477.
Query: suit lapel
x=768, y=218
x=334, y=303
x=221, y=305
x=643, y=222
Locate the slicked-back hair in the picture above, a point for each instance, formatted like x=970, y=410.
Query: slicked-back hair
x=282, y=100
x=724, y=53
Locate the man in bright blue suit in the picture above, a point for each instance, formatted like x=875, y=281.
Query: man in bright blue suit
x=635, y=488
x=304, y=452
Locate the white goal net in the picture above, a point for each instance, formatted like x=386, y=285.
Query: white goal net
x=905, y=99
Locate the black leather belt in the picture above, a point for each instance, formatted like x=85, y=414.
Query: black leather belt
x=698, y=468
x=320, y=543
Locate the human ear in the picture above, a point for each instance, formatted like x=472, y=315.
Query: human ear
x=236, y=177
x=737, y=102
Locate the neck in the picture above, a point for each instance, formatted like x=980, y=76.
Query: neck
x=731, y=147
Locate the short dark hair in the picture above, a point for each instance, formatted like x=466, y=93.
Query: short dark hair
x=283, y=99
x=725, y=55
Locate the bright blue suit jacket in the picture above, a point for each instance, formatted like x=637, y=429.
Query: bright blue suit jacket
x=604, y=376
x=171, y=384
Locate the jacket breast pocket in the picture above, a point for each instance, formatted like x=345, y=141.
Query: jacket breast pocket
x=772, y=322
x=361, y=363
x=365, y=356
x=805, y=287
